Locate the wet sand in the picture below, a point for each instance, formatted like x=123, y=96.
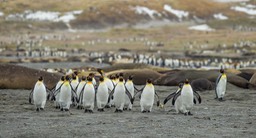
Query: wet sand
x=235, y=117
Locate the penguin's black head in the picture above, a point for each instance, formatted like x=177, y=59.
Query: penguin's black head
x=83, y=78
x=117, y=76
x=62, y=78
x=130, y=77
x=222, y=71
x=76, y=72
x=186, y=81
x=121, y=74
x=67, y=78
x=89, y=78
x=112, y=77
x=40, y=78
x=149, y=81
x=121, y=79
x=73, y=76
x=92, y=75
x=101, y=79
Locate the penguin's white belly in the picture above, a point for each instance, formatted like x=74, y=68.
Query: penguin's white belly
x=221, y=87
x=187, y=99
x=65, y=96
x=39, y=95
x=147, y=97
x=102, y=94
x=89, y=96
x=119, y=96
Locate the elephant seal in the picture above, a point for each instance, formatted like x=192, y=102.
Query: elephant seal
x=202, y=84
x=19, y=77
x=139, y=75
x=131, y=66
x=174, y=78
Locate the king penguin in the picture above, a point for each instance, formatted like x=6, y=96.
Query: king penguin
x=184, y=100
x=88, y=96
x=39, y=94
x=119, y=93
x=130, y=87
x=65, y=95
x=110, y=84
x=102, y=95
x=221, y=84
x=147, y=97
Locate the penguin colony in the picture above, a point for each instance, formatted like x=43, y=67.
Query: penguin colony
x=115, y=92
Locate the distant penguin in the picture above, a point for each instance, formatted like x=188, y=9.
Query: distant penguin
x=221, y=84
x=185, y=99
x=147, y=97
x=65, y=95
x=79, y=89
x=88, y=96
x=58, y=85
x=39, y=94
x=119, y=94
x=102, y=95
x=130, y=87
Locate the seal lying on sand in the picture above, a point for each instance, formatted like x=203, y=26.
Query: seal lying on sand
x=174, y=78
x=139, y=75
x=202, y=84
x=19, y=77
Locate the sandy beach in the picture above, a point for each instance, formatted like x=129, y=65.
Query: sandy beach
x=235, y=117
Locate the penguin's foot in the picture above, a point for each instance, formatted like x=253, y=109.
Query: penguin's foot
x=113, y=106
x=107, y=106
x=66, y=109
x=90, y=111
x=221, y=99
x=118, y=110
x=61, y=109
x=129, y=109
x=101, y=110
x=42, y=109
x=85, y=110
x=37, y=109
x=57, y=107
x=189, y=113
x=144, y=111
x=148, y=111
x=125, y=109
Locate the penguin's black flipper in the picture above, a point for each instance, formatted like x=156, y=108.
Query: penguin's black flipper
x=194, y=101
x=81, y=96
x=198, y=97
x=30, y=96
x=169, y=97
x=57, y=89
x=158, y=100
x=111, y=95
x=175, y=97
